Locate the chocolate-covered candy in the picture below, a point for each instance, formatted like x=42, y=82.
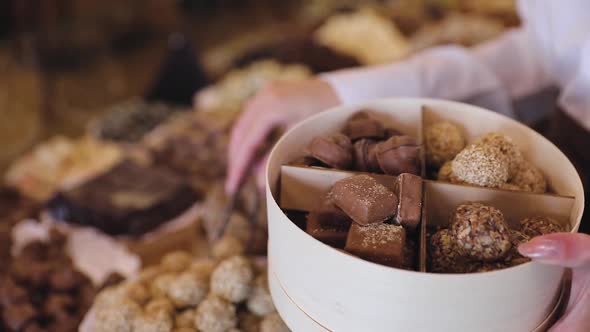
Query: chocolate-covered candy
x=379, y=243
x=399, y=154
x=410, y=200
x=33, y=327
x=333, y=150
x=364, y=199
x=330, y=215
x=58, y=305
x=333, y=235
x=11, y=293
x=362, y=125
x=365, y=156
x=34, y=273
x=16, y=317
x=65, y=279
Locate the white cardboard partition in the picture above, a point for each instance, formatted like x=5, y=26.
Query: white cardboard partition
x=344, y=293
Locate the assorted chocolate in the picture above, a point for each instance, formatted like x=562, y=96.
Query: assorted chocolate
x=368, y=220
x=478, y=239
x=493, y=160
x=42, y=291
x=187, y=294
x=365, y=145
x=129, y=199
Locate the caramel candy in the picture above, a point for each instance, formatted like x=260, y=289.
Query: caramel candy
x=410, y=200
x=399, y=154
x=362, y=125
x=379, y=243
x=332, y=150
x=365, y=156
x=364, y=199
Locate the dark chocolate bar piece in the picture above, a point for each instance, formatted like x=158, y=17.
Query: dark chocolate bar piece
x=129, y=199
x=330, y=233
x=379, y=243
x=410, y=200
x=364, y=199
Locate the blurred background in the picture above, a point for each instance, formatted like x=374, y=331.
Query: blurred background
x=66, y=64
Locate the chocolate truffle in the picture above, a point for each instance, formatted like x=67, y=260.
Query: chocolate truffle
x=399, y=154
x=481, y=232
x=378, y=243
x=362, y=125
x=529, y=178
x=445, y=173
x=364, y=199
x=410, y=200
x=333, y=150
x=540, y=225
x=506, y=146
x=443, y=140
x=481, y=165
x=365, y=156
x=514, y=257
x=444, y=255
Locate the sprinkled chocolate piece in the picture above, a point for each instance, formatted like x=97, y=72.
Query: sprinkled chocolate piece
x=443, y=140
x=410, y=201
x=481, y=232
x=444, y=255
x=399, y=154
x=333, y=150
x=364, y=199
x=539, y=225
x=362, y=125
x=529, y=178
x=482, y=165
x=379, y=243
x=365, y=157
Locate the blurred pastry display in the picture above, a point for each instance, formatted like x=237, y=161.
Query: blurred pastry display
x=365, y=35
x=42, y=290
x=129, y=121
x=186, y=294
x=129, y=199
x=60, y=163
x=230, y=93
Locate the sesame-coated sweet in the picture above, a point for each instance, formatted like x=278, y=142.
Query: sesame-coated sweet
x=480, y=231
x=514, y=257
x=159, y=322
x=506, y=146
x=443, y=140
x=202, y=268
x=159, y=285
x=114, y=313
x=260, y=302
x=482, y=165
x=226, y=247
x=138, y=293
x=540, y=225
x=248, y=322
x=187, y=289
x=510, y=186
x=445, y=173
x=232, y=279
x=529, y=178
x=185, y=318
x=215, y=314
x=159, y=305
x=273, y=323
x=184, y=329
x=444, y=255
x=175, y=261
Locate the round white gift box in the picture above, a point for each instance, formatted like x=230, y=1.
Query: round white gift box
x=340, y=292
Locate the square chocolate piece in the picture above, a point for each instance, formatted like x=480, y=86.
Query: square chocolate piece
x=330, y=233
x=410, y=200
x=364, y=199
x=379, y=243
